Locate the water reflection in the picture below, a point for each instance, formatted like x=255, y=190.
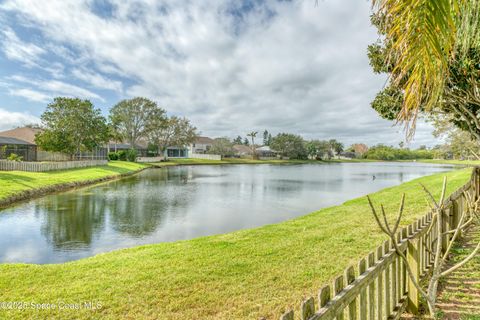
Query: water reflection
x=63, y=226
x=181, y=203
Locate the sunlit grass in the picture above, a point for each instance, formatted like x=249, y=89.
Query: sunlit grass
x=13, y=182
x=240, y=275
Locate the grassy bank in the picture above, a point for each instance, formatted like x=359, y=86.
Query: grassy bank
x=240, y=275
x=16, y=182
x=453, y=162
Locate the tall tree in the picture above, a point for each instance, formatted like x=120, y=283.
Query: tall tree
x=335, y=146
x=265, y=138
x=245, y=141
x=72, y=125
x=289, y=145
x=253, y=135
x=222, y=146
x=172, y=132
x=237, y=140
x=133, y=118
x=319, y=149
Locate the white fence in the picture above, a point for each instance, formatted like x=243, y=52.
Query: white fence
x=205, y=156
x=6, y=165
x=149, y=159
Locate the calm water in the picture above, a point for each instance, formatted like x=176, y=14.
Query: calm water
x=182, y=203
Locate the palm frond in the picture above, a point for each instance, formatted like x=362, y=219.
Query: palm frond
x=422, y=33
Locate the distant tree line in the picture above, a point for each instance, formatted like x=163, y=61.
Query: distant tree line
x=73, y=125
x=383, y=152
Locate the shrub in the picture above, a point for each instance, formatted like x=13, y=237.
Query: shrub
x=122, y=155
x=113, y=156
x=14, y=157
x=132, y=155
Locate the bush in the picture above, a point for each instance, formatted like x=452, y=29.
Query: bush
x=113, y=156
x=14, y=157
x=122, y=155
x=131, y=155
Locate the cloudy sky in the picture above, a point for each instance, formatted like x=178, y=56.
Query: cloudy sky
x=230, y=66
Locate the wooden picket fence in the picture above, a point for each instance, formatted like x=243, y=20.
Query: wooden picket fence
x=6, y=165
x=379, y=287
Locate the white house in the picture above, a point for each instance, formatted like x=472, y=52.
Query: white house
x=201, y=145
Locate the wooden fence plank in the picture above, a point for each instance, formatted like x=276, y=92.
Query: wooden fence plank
x=287, y=315
x=338, y=285
x=380, y=286
x=371, y=289
x=352, y=307
x=307, y=308
x=362, y=312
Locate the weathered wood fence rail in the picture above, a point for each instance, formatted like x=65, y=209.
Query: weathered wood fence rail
x=6, y=165
x=379, y=287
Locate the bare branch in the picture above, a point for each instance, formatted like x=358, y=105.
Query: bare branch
x=463, y=262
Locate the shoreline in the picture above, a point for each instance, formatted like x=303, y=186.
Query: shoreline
x=34, y=193
x=260, y=257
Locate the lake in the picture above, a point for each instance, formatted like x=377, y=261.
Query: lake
x=184, y=202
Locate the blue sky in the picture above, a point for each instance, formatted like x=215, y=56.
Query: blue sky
x=230, y=66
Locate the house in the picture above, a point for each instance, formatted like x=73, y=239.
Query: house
x=141, y=147
x=25, y=149
x=27, y=135
x=347, y=155
x=177, y=152
x=266, y=152
x=200, y=145
x=242, y=150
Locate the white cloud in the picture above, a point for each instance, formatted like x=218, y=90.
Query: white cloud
x=97, y=80
x=9, y=120
x=56, y=87
x=284, y=66
x=30, y=94
x=15, y=49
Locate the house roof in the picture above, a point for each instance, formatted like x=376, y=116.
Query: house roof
x=264, y=148
x=25, y=133
x=8, y=140
x=125, y=145
x=203, y=140
x=242, y=149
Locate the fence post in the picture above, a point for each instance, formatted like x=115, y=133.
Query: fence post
x=413, y=262
x=307, y=308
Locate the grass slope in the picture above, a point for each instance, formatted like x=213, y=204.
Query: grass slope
x=13, y=182
x=241, y=275
x=454, y=162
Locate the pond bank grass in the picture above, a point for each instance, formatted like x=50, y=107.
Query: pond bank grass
x=21, y=185
x=246, y=274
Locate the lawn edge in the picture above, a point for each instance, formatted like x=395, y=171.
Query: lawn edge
x=61, y=187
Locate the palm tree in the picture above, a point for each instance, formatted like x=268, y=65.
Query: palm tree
x=253, y=135
x=423, y=37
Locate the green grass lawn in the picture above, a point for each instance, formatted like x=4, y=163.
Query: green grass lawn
x=455, y=162
x=241, y=275
x=13, y=182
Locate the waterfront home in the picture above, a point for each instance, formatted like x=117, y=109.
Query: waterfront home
x=200, y=145
x=265, y=152
x=242, y=150
x=22, y=148
x=25, y=146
